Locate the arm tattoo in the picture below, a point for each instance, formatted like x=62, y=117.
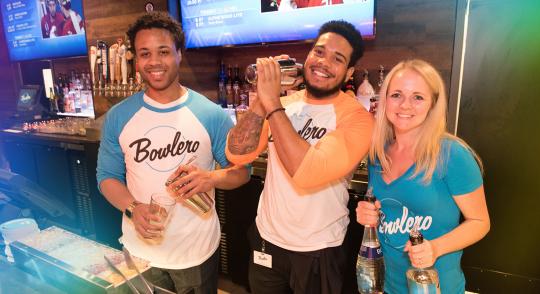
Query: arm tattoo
x=244, y=137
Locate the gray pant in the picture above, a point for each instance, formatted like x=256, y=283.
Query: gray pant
x=200, y=279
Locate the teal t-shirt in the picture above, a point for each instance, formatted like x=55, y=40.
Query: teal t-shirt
x=406, y=201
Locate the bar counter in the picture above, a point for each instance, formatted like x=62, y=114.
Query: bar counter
x=14, y=279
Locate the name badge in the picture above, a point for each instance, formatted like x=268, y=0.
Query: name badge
x=262, y=258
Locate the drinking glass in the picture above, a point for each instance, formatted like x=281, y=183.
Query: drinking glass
x=161, y=205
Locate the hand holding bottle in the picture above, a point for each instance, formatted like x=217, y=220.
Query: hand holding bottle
x=370, y=263
x=367, y=213
x=422, y=277
x=422, y=255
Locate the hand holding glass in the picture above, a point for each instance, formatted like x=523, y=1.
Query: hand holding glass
x=162, y=205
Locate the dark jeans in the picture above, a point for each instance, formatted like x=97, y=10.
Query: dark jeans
x=201, y=279
x=313, y=272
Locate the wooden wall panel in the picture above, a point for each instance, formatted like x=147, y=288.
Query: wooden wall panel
x=108, y=20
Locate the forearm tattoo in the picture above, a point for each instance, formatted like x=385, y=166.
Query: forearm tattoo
x=244, y=137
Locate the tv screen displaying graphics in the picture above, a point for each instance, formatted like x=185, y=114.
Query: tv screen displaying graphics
x=209, y=23
x=43, y=29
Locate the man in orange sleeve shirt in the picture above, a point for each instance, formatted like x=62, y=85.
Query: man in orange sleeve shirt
x=315, y=139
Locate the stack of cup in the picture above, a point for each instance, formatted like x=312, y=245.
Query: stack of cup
x=15, y=230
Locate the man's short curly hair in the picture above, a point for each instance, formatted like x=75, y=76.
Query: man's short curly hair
x=347, y=31
x=158, y=20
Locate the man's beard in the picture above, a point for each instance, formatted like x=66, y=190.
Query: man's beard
x=321, y=93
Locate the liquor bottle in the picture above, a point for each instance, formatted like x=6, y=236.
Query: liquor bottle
x=222, y=82
x=67, y=100
x=237, y=85
x=374, y=101
x=77, y=88
x=365, y=91
x=252, y=93
x=421, y=280
x=370, y=262
x=53, y=101
x=381, y=77
x=242, y=106
x=59, y=87
x=229, y=86
x=349, y=86
x=86, y=93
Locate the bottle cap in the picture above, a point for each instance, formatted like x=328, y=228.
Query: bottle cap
x=369, y=197
x=415, y=236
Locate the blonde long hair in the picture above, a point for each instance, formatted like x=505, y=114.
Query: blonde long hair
x=427, y=148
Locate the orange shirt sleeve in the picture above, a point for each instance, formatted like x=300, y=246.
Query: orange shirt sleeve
x=249, y=157
x=337, y=153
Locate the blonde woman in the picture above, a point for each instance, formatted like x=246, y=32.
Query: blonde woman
x=422, y=175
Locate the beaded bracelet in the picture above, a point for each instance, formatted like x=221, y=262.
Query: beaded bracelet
x=273, y=111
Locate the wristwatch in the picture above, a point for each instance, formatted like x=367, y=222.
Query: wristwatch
x=129, y=210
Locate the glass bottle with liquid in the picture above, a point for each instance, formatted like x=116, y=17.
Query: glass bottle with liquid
x=222, y=82
x=421, y=280
x=370, y=262
x=365, y=91
x=242, y=106
x=237, y=85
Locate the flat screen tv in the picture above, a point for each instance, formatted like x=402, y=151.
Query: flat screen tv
x=209, y=23
x=43, y=29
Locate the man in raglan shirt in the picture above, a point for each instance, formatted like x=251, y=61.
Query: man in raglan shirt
x=146, y=140
x=315, y=139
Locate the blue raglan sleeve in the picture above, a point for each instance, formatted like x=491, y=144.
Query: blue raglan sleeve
x=463, y=174
x=111, y=162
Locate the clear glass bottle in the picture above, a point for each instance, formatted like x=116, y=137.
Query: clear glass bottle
x=237, y=85
x=290, y=72
x=421, y=280
x=229, y=85
x=242, y=106
x=53, y=101
x=370, y=262
x=381, y=77
x=365, y=91
x=349, y=86
x=222, y=82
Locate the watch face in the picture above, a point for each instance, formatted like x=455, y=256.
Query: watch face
x=149, y=6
